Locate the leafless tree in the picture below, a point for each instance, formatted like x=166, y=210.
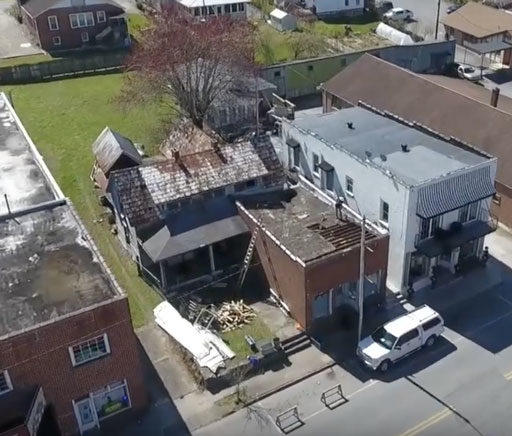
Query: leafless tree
x=189, y=60
x=305, y=44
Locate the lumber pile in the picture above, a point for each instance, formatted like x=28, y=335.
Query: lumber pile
x=233, y=314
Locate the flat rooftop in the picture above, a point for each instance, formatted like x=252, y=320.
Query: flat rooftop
x=49, y=268
x=381, y=138
x=304, y=224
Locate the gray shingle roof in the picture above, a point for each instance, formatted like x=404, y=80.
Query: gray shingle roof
x=37, y=7
x=143, y=189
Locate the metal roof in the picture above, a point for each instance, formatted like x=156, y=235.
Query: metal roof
x=372, y=136
x=110, y=146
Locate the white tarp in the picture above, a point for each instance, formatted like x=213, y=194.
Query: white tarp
x=207, y=348
x=393, y=35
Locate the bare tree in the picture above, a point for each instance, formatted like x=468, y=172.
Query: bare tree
x=191, y=61
x=305, y=44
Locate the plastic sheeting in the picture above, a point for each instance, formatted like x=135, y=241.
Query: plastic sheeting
x=393, y=35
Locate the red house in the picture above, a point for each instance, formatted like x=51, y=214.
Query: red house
x=73, y=24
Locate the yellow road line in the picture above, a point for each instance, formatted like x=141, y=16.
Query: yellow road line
x=508, y=375
x=427, y=423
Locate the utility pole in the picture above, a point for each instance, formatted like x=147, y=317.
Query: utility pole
x=360, y=297
x=437, y=18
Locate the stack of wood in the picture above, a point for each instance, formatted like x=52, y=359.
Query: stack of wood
x=232, y=315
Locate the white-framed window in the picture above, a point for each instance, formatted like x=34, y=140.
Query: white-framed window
x=316, y=165
x=468, y=213
x=89, y=350
x=384, y=211
x=227, y=9
x=101, y=17
x=5, y=382
x=84, y=36
x=429, y=226
x=83, y=19
x=296, y=157
x=53, y=22
x=329, y=181
x=241, y=7
x=56, y=40
x=349, y=185
x=234, y=7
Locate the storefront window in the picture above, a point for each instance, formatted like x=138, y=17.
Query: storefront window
x=111, y=399
x=419, y=266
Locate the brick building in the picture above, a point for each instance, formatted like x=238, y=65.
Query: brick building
x=68, y=353
x=310, y=253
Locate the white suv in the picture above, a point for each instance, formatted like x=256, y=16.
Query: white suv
x=400, y=337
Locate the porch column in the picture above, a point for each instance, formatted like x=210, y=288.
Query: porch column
x=212, y=261
x=163, y=277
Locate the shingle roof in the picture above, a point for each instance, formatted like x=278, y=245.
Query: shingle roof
x=110, y=146
x=478, y=20
x=416, y=98
x=142, y=189
x=37, y=7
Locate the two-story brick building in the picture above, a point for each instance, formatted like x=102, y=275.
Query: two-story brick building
x=73, y=24
x=68, y=352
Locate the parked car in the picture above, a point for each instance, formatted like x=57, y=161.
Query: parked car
x=469, y=73
x=452, y=8
x=399, y=14
x=400, y=337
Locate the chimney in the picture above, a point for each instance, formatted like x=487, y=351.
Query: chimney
x=350, y=125
x=176, y=156
x=495, y=93
x=405, y=148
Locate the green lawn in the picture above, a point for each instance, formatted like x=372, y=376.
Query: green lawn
x=336, y=30
x=21, y=60
x=63, y=118
x=236, y=338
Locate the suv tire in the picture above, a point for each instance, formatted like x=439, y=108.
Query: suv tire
x=430, y=341
x=384, y=366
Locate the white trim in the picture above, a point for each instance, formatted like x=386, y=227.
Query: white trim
x=72, y=354
x=93, y=413
x=7, y=378
x=104, y=20
x=56, y=22
x=81, y=14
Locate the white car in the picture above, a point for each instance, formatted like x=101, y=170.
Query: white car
x=400, y=337
x=399, y=14
x=469, y=73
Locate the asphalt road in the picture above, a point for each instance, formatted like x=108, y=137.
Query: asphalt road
x=425, y=12
x=461, y=386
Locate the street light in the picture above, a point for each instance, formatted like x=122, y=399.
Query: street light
x=437, y=18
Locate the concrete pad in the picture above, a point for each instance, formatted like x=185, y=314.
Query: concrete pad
x=281, y=325
x=163, y=355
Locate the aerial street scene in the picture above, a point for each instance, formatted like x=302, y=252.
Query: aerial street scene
x=255, y=217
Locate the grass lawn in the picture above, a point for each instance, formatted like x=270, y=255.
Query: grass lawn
x=273, y=46
x=336, y=30
x=20, y=60
x=63, y=118
x=236, y=338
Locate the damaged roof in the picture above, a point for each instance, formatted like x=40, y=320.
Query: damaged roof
x=142, y=190
x=110, y=146
x=304, y=224
x=49, y=266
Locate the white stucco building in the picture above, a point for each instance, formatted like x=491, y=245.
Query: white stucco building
x=432, y=193
x=326, y=8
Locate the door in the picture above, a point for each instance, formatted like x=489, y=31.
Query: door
x=407, y=343
x=85, y=414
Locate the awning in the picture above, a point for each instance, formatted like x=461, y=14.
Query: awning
x=454, y=193
x=433, y=247
x=488, y=47
x=162, y=245
x=293, y=143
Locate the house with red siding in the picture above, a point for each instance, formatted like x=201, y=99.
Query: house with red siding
x=75, y=24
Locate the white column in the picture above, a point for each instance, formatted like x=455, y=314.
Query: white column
x=212, y=260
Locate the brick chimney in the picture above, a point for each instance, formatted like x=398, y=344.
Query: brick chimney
x=495, y=94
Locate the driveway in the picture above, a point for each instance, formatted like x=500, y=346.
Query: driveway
x=14, y=38
x=425, y=16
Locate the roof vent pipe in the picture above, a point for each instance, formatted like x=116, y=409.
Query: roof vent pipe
x=350, y=125
x=405, y=148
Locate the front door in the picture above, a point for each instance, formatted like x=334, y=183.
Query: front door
x=85, y=415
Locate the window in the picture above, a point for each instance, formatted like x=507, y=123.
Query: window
x=468, y=212
x=53, y=23
x=5, y=382
x=197, y=12
x=431, y=324
x=89, y=350
x=329, y=181
x=349, y=185
x=84, y=19
x=210, y=10
x=101, y=17
x=219, y=10
x=346, y=2
x=296, y=157
x=111, y=399
x=277, y=73
x=204, y=11
x=473, y=211
x=409, y=336
x=429, y=226
x=85, y=37
x=251, y=183
x=310, y=67
x=227, y=9
x=496, y=199
x=56, y=40
x=234, y=7
x=316, y=165
x=384, y=211
x=419, y=267
x=358, y=2
x=241, y=7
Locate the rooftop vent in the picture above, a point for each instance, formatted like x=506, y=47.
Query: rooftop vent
x=350, y=125
x=383, y=157
x=368, y=154
x=405, y=148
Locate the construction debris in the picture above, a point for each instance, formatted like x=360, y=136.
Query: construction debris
x=234, y=314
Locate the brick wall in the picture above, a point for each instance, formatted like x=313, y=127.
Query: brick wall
x=41, y=357
x=71, y=38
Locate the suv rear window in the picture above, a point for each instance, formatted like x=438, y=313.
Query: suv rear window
x=431, y=323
